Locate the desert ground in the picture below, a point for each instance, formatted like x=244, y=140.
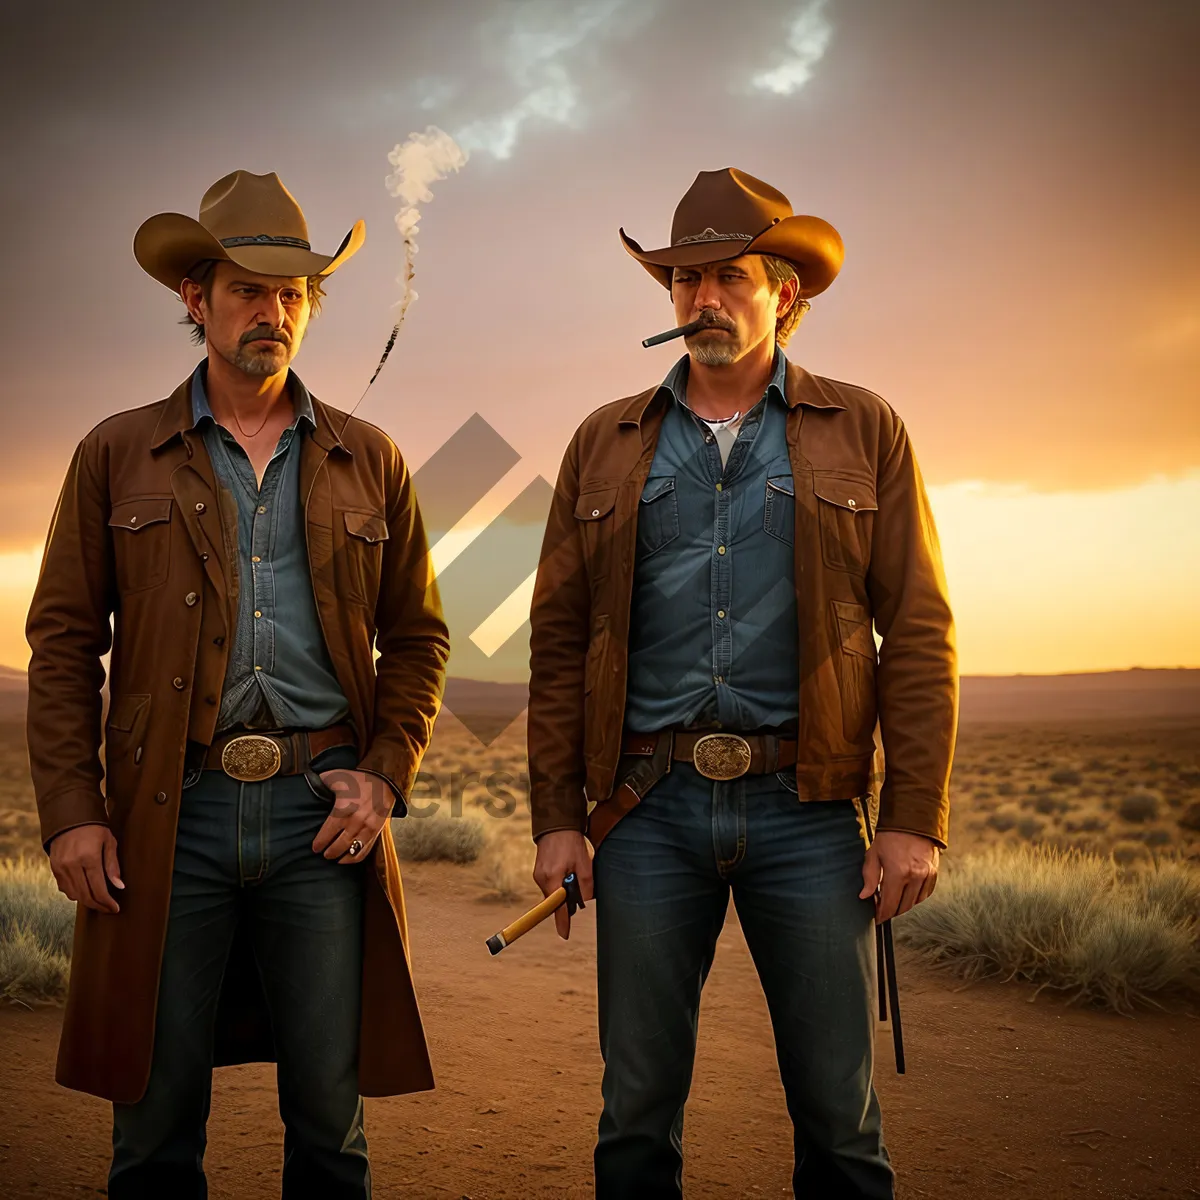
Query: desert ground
x=1006, y=1093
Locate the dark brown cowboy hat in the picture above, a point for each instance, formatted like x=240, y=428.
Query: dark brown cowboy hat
x=728, y=213
x=251, y=220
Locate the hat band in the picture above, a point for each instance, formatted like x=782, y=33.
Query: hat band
x=711, y=235
x=266, y=239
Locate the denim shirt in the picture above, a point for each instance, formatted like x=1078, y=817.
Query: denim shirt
x=713, y=636
x=279, y=673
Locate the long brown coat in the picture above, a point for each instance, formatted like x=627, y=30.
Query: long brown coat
x=866, y=553
x=138, y=535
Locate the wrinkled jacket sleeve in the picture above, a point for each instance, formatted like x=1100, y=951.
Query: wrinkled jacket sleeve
x=917, y=678
x=68, y=632
x=558, y=644
x=412, y=641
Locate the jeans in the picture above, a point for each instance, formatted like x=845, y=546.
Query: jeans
x=243, y=853
x=662, y=882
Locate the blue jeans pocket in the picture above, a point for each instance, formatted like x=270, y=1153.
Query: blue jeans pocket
x=788, y=779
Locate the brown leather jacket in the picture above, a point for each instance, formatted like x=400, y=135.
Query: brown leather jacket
x=138, y=535
x=866, y=551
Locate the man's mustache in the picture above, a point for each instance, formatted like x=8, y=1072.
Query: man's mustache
x=713, y=321
x=265, y=332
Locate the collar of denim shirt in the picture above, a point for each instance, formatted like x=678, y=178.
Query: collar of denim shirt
x=677, y=377
x=301, y=400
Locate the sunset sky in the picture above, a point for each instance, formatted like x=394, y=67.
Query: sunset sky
x=1017, y=184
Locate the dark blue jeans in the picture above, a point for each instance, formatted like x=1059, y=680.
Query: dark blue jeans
x=663, y=878
x=243, y=853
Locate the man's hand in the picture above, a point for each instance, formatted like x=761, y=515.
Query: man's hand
x=558, y=854
x=907, y=865
x=83, y=860
x=364, y=801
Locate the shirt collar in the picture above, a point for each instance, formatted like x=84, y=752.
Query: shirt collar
x=301, y=400
x=677, y=377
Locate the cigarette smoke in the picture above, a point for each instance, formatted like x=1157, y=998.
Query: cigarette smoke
x=423, y=159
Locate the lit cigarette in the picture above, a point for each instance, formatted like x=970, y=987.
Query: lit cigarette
x=682, y=331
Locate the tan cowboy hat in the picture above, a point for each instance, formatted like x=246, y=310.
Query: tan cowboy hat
x=251, y=220
x=727, y=213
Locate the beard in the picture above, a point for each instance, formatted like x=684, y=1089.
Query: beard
x=260, y=361
x=713, y=351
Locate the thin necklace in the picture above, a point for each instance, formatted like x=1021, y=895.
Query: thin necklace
x=258, y=430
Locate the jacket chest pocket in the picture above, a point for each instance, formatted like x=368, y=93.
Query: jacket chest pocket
x=365, y=534
x=141, y=540
x=594, y=516
x=658, y=515
x=779, y=508
x=845, y=512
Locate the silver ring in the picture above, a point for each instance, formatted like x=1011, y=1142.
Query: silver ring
x=355, y=847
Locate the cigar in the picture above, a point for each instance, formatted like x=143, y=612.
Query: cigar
x=682, y=331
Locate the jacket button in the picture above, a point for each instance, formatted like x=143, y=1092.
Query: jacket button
x=190, y=599
x=204, y=556
x=160, y=798
x=177, y=683
x=210, y=699
x=137, y=755
x=218, y=641
x=200, y=506
x=595, y=512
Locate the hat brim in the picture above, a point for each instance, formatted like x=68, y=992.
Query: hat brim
x=168, y=245
x=810, y=244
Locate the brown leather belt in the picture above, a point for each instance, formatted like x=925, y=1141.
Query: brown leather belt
x=251, y=755
x=719, y=754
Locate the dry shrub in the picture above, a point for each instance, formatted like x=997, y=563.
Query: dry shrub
x=508, y=868
x=1066, y=777
x=29, y=973
x=434, y=837
x=36, y=928
x=1030, y=827
x=1003, y=819
x=1068, y=921
x=1139, y=805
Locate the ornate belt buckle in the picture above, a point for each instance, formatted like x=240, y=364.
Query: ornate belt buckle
x=721, y=755
x=251, y=757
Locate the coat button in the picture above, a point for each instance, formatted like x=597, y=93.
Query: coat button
x=190, y=599
x=204, y=556
x=160, y=798
x=218, y=641
x=200, y=506
x=210, y=699
x=177, y=683
x=137, y=755
x=851, y=503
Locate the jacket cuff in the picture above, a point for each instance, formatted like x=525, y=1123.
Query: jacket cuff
x=57, y=814
x=558, y=829
x=400, y=802
x=937, y=841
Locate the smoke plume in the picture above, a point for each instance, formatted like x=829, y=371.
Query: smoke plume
x=421, y=160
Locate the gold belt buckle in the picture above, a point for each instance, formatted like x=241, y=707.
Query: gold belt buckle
x=721, y=755
x=251, y=757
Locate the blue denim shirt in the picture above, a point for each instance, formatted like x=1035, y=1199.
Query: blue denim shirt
x=279, y=672
x=713, y=636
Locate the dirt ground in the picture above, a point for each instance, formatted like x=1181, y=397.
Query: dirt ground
x=1002, y=1097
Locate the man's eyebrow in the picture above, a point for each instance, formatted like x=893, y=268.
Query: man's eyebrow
x=262, y=286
